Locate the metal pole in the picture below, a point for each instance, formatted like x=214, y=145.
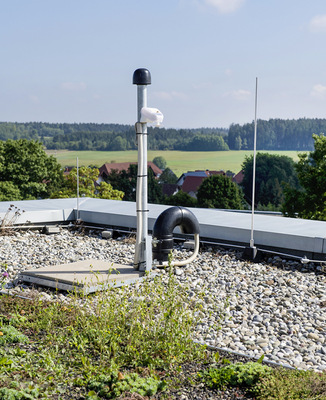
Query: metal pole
x=141, y=201
x=77, y=189
x=254, y=172
x=142, y=259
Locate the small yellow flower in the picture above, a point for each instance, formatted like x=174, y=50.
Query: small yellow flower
x=1, y=333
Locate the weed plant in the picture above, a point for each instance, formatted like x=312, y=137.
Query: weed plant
x=9, y=219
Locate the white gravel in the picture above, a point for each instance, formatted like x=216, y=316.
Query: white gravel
x=276, y=308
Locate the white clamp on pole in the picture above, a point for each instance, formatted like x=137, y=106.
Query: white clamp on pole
x=151, y=116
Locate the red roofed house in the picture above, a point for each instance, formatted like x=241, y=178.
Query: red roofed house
x=190, y=181
x=106, y=169
x=191, y=184
x=238, y=178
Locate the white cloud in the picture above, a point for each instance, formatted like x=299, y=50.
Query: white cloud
x=170, y=95
x=318, y=24
x=241, y=95
x=73, y=86
x=228, y=72
x=225, y=6
x=318, y=91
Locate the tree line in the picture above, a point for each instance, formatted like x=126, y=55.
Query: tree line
x=274, y=134
x=120, y=140
x=277, y=134
x=113, y=137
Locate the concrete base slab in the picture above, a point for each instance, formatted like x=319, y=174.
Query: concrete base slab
x=86, y=276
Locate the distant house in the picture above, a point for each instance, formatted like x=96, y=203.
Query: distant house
x=182, y=178
x=107, y=168
x=191, y=184
x=190, y=181
x=169, y=189
x=238, y=178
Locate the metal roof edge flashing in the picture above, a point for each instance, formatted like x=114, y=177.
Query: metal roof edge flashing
x=271, y=232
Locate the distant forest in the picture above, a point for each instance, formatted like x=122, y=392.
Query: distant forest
x=274, y=134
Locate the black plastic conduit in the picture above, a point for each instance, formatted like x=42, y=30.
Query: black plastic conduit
x=162, y=242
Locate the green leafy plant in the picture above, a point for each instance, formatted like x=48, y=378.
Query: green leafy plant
x=113, y=385
x=14, y=319
x=13, y=394
x=9, y=334
x=238, y=374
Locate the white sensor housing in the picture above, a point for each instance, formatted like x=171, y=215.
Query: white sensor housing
x=151, y=116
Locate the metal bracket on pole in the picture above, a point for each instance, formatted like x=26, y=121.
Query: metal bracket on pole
x=139, y=130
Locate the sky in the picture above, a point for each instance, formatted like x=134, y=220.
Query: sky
x=73, y=60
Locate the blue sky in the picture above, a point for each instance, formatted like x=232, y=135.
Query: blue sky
x=73, y=60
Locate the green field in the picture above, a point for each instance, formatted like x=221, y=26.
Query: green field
x=178, y=161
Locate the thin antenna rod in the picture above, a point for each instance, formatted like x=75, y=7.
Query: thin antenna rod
x=77, y=189
x=254, y=172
